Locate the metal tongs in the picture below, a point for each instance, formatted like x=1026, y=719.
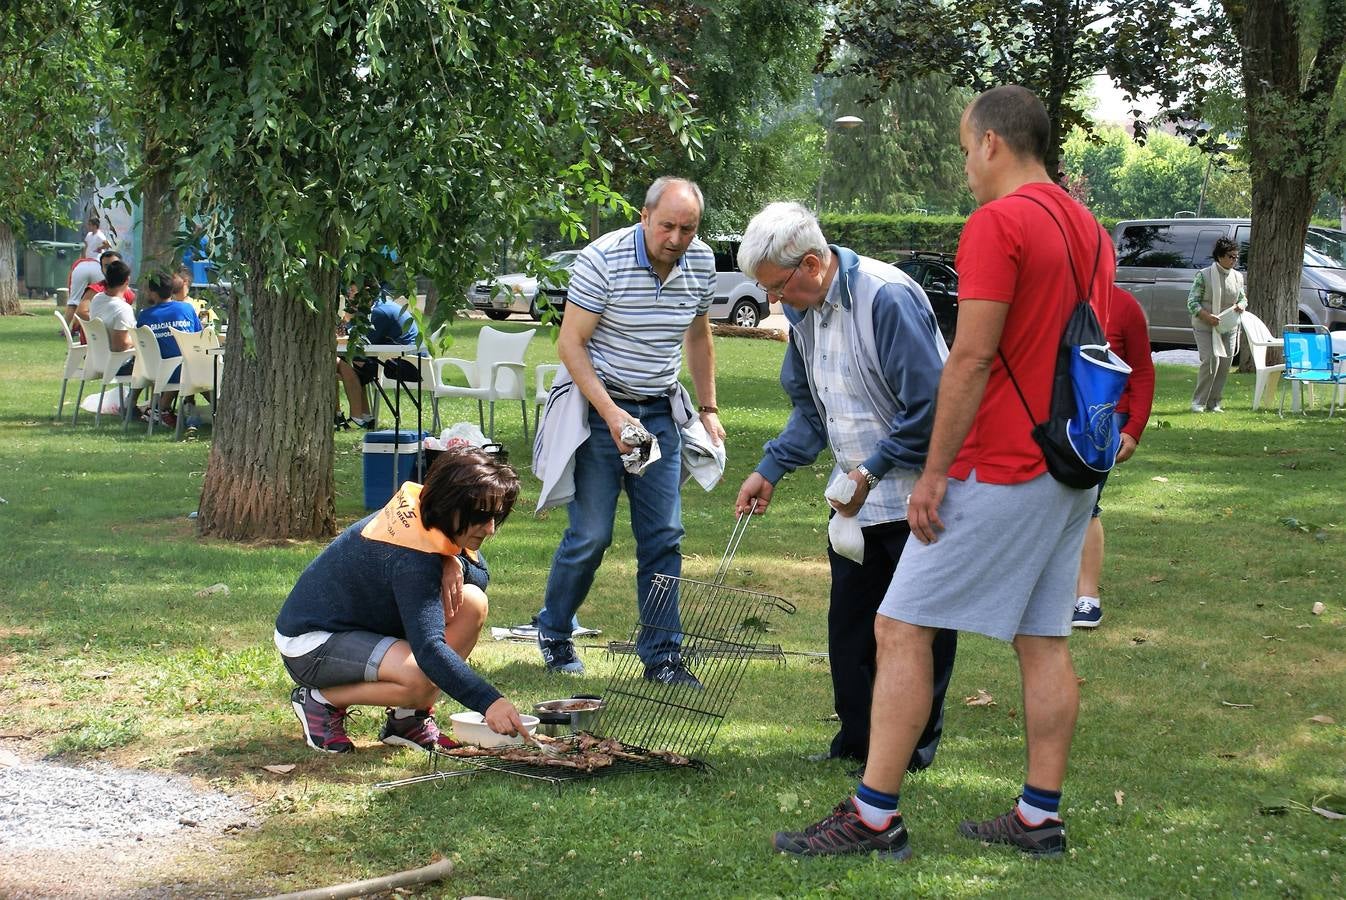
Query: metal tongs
x=735, y=538
x=546, y=749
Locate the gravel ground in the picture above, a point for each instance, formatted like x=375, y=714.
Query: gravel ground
x=97, y=831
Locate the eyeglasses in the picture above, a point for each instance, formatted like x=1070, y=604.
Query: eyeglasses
x=778, y=293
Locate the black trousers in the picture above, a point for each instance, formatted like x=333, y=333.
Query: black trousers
x=857, y=591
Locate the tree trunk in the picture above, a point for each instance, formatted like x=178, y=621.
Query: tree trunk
x=1289, y=97
x=9, y=273
x=270, y=469
x=159, y=214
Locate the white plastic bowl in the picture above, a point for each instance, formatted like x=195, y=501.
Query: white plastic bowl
x=471, y=728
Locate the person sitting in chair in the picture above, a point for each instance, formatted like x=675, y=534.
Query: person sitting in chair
x=385, y=617
x=388, y=323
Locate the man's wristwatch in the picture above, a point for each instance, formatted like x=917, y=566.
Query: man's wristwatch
x=870, y=478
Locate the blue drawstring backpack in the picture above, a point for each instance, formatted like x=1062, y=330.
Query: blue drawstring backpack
x=1080, y=437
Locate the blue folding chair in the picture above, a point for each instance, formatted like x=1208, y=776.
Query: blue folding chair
x=1309, y=360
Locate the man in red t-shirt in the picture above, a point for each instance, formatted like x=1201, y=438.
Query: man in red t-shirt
x=1128, y=335
x=995, y=539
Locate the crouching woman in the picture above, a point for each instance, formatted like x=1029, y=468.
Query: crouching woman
x=383, y=618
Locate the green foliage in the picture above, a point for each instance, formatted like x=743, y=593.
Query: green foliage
x=56, y=77
x=1054, y=47
x=905, y=155
x=744, y=64
x=325, y=137
x=1154, y=180
x=884, y=236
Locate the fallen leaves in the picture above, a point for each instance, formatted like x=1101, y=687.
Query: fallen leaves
x=981, y=698
x=285, y=769
x=1319, y=608
x=1160, y=478
x=1119, y=796
x=1236, y=705
x=219, y=588
x=1322, y=720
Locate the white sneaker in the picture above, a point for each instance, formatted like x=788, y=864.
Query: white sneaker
x=1197, y=407
x=1217, y=408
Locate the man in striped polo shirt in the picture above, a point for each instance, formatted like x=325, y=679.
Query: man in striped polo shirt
x=637, y=296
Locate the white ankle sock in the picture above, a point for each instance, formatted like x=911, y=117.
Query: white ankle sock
x=875, y=818
x=1033, y=815
x=317, y=695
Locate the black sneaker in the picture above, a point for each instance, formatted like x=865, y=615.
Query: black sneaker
x=559, y=655
x=1047, y=839
x=845, y=832
x=673, y=671
x=341, y=423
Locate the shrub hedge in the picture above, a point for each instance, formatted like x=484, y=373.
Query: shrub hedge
x=887, y=237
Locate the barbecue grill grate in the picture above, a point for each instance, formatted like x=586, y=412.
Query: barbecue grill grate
x=716, y=630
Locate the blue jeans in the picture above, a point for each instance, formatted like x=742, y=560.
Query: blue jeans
x=656, y=523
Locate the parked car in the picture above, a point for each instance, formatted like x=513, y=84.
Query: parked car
x=935, y=273
x=516, y=292
x=738, y=299
x=1157, y=260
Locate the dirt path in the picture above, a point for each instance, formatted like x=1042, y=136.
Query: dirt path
x=99, y=831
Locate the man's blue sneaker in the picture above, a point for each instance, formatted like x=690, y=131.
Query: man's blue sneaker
x=673, y=671
x=1088, y=613
x=559, y=655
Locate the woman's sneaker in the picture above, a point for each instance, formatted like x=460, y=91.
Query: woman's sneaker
x=417, y=730
x=324, y=725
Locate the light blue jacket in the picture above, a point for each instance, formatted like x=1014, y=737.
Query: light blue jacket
x=900, y=354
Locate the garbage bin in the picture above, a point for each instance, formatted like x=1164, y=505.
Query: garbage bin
x=46, y=265
x=380, y=447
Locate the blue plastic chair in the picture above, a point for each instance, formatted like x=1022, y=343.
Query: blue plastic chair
x=1309, y=360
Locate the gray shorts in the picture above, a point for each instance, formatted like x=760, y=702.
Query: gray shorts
x=1005, y=564
x=347, y=657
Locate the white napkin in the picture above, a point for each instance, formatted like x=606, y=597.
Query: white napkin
x=644, y=449
x=844, y=531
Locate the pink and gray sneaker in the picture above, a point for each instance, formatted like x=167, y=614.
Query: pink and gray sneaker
x=324, y=725
x=417, y=730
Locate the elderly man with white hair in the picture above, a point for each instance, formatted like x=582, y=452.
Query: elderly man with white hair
x=861, y=372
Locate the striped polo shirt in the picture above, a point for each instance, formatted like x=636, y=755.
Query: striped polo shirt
x=636, y=347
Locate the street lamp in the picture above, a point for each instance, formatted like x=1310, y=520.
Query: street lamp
x=846, y=122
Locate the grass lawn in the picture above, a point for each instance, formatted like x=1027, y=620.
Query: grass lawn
x=1197, y=697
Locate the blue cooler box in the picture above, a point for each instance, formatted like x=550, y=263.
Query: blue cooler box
x=378, y=463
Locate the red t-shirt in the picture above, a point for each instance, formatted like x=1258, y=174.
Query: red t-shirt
x=1129, y=337
x=101, y=287
x=1011, y=252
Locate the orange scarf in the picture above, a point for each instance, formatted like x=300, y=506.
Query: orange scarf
x=399, y=524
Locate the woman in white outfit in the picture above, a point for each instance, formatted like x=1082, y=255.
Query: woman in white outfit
x=1216, y=301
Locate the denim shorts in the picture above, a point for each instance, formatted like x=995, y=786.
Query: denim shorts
x=347, y=657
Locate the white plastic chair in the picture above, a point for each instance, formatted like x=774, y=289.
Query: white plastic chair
x=543, y=376
x=1259, y=340
x=497, y=374
x=198, y=367
x=101, y=363
x=74, y=360
x=151, y=371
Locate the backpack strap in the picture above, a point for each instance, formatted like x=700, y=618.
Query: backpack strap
x=1075, y=276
